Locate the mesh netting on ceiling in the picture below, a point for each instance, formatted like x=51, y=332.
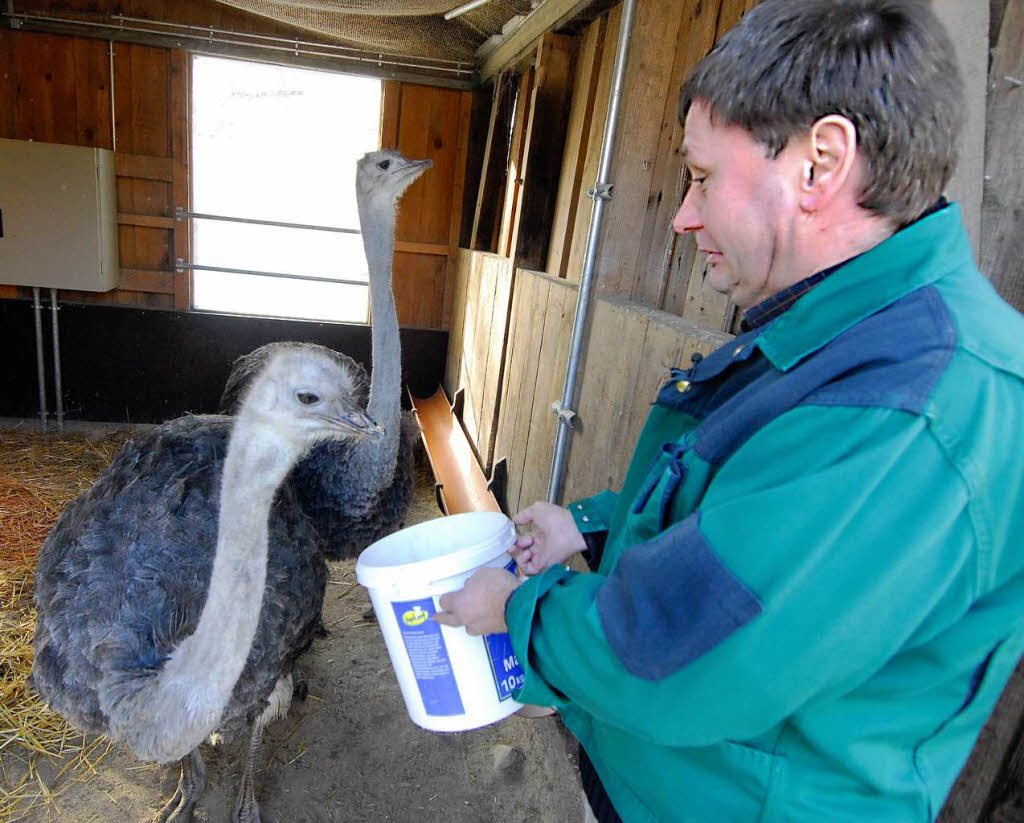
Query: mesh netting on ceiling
x=398, y=27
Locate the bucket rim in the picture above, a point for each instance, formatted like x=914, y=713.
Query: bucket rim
x=427, y=572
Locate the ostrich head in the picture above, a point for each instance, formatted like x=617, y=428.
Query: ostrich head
x=307, y=397
x=382, y=176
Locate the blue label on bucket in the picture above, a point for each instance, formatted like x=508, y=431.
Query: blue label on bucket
x=505, y=666
x=508, y=673
x=428, y=655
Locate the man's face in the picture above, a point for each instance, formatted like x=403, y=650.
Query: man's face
x=740, y=206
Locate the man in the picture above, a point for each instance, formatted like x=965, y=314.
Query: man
x=807, y=597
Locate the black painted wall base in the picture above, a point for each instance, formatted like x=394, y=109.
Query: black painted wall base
x=127, y=365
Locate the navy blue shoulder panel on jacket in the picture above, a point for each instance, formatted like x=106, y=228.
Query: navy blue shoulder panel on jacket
x=892, y=359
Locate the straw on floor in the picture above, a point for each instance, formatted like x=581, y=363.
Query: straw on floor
x=40, y=754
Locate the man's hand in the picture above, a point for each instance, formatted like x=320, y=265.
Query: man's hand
x=480, y=604
x=554, y=537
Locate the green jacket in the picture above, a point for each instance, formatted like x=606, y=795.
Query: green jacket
x=810, y=594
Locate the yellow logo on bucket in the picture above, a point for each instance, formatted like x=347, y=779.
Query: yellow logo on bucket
x=414, y=616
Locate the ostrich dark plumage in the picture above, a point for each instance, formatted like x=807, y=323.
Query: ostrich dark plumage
x=126, y=570
x=349, y=513
x=174, y=596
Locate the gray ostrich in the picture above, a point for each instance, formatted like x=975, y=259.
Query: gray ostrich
x=356, y=493
x=174, y=595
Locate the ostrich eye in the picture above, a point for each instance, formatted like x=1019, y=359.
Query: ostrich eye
x=384, y=165
x=307, y=398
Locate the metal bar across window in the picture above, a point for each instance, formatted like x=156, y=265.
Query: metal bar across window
x=181, y=214
x=463, y=72
x=181, y=266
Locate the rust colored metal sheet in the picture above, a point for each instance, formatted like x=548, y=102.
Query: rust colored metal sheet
x=460, y=483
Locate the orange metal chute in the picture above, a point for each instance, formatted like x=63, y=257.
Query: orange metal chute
x=460, y=483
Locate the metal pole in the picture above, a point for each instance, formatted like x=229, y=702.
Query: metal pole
x=113, y=102
x=159, y=36
x=180, y=214
x=56, y=362
x=180, y=266
x=601, y=192
x=41, y=374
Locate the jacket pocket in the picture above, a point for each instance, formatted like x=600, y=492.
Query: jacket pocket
x=760, y=774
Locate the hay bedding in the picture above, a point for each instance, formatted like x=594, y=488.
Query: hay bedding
x=39, y=475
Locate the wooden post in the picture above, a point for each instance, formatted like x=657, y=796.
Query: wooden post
x=542, y=156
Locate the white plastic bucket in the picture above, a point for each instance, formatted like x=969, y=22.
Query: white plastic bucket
x=450, y=681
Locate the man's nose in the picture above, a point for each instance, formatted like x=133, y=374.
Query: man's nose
x=686, y=219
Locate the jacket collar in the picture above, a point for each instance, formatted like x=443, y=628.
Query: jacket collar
x=918, y=255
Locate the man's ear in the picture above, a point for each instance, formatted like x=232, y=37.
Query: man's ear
x=828, y=164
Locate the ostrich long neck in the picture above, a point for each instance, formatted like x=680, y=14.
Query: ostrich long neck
x=378, y=223
x=196, y=682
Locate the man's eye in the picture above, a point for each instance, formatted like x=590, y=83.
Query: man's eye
x=384, y=165
x=307, y=398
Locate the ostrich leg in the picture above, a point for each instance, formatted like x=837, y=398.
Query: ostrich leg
x=191, y=786
x=247, y=810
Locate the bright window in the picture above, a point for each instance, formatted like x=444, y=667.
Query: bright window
x=280, y=144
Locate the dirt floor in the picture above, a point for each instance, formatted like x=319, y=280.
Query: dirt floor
x=350, y=751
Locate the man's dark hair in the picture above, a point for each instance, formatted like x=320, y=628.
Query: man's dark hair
x=888, y=66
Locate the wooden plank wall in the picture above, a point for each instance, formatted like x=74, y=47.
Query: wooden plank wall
x=476, y=347
x=538, y=344
x=639, y=256
x=669, y=38
x=426, y=122
x=57, y=89
x=1002, y=219
x=631, y=349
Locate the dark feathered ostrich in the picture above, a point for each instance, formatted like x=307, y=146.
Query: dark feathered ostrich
x=174, y=595
x=356, y=493
x=140, y=631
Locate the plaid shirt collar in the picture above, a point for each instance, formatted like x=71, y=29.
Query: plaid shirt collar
x=776, y=305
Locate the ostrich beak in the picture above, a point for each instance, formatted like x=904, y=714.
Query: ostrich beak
x=353, y=420
x=415, y=168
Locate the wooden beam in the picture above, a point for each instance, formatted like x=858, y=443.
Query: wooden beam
x=586, y=73
x=548, y=16
x=1002, y=222
x=149, y=220
x=421, y=248
x=458, y=193
x=144, y=167
x=158, y=281
x=542, y=156
x=490, y=193
x=390, y=104
x=656, y=281
x=512, y=210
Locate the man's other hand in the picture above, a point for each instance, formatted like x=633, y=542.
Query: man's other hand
x=550, y=536
x=480, y=604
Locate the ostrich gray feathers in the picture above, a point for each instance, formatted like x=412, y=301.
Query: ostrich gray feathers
x=349, y=515
x=125, y=572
